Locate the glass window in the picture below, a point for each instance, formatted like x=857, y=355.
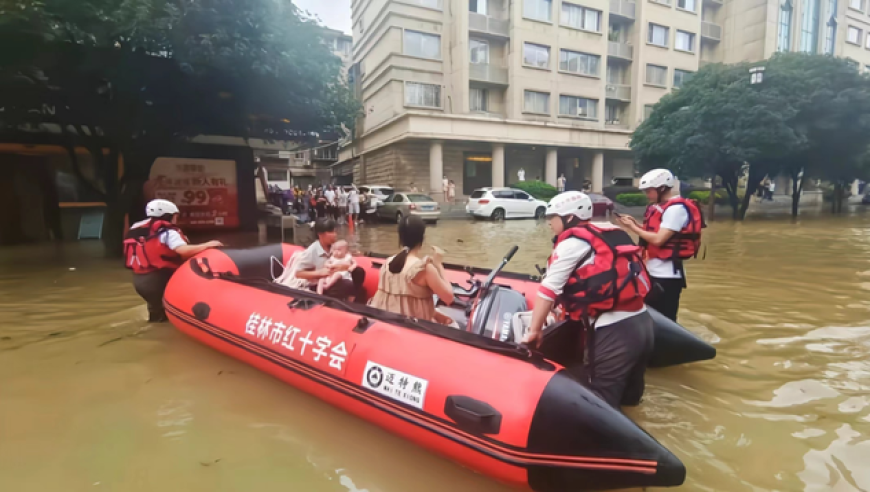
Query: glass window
x=538, y=9
x=856, y=4
x=684, y=41
x=784, y=40
x=853, y=35
x=658, y=35
x=681, y=77
x=425, y=95
x=478, y=194
x=612, y=114
x=479, y=100
x=686, y=5
x=432, y=4
x=478, y=6
x=810, y=26
x=276, y=175
x=420, y=198
x=578, y=106
x=867, y=44
x=423, y=45
x=582, y=63
x=519, y=195
x=657, y=75
x=647, y=111
x=479, y=51
x=537, y=102
x=581, y=17
x=536, y=55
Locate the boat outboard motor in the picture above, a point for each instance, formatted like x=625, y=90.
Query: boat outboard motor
x=496, y=305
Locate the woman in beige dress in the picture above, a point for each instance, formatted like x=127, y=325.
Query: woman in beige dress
x=409, y=279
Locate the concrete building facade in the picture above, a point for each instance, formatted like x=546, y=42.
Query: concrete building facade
x=480, y=90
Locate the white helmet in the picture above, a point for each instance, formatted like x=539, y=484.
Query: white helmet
x=571, y=203
x=160, y=207
x=657, y=178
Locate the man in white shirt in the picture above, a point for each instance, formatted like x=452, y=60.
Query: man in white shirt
x=560, y=183
x=312, y=266
x=154, y=248
x=341, y=199
x=666, y=227
x=353, y=204
x=621, y=339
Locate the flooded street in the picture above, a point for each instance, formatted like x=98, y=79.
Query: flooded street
x=93, y=398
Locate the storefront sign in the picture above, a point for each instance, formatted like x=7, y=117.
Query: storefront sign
x=204, y=190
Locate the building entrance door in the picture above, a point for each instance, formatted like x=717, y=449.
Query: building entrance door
x=477, y=172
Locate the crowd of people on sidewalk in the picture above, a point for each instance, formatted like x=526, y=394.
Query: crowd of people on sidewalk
x=340, y=203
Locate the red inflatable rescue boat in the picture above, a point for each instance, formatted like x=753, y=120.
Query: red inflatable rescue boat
x=490, y=405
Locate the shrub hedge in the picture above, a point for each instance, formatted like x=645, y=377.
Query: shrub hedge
x=538, y=189
x=631, y=199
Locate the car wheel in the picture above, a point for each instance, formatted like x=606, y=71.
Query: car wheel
x=539, y=213
x=498, y=214
x=398, y=217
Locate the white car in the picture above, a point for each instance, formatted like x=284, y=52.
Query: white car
x=504, y=203
x=374, y=196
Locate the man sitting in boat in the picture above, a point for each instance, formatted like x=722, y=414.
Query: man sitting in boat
x=596, y=274
x=311, y=266
x=409, y=280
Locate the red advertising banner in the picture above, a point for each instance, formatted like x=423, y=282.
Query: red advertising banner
x=205, y=190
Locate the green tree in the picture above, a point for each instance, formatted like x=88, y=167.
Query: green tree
x=140, y=74
x=714, y=126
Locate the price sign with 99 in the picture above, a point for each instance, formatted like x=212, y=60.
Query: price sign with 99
x=195, y=197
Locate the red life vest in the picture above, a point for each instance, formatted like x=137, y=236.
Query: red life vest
x=143, y=251
x=615, y=280
x=684, y=244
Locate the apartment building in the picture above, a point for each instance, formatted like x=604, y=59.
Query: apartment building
x=479, y=90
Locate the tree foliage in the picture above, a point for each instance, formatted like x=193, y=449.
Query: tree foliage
x=132, y=74
x=810, y=117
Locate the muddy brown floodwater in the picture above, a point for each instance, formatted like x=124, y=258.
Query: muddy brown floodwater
x=92, y=398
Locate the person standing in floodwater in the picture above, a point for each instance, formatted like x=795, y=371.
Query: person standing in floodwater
x=154, y=248
x=671, y=233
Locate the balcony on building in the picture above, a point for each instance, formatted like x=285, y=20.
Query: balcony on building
x=711, y=31
x=489, y=18
x=623, y=10
x=616, y=115
x=618, y=50
x=618, y=92
x=488, y=73
x=325, y=154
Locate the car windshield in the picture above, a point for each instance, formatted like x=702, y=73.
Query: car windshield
x=478, y=194
x=383, y=191
x=420, y=198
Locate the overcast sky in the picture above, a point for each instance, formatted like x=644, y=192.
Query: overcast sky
x=333, y=13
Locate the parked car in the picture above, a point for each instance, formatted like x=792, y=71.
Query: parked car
x=409, y=203
x=504, y=203
x=371, y=197
x=601, y=205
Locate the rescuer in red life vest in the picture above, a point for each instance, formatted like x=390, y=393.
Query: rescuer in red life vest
x=596, y=274
x=671, y=233
x=154, y=248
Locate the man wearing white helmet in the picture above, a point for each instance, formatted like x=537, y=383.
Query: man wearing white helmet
x=671, y=233
x=596, y=275
x=154, y=248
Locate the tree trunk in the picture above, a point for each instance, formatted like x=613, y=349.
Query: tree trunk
x=837, y=199
x=730, y=184
x=796, y=188
x=751, y=187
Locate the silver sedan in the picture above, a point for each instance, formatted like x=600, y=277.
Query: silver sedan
x=403, y=204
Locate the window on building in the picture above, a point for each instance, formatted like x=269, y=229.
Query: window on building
x=681, y=77
x=423, y=45
x=581, y=63
x=657, y=75
x=830, y=36
x=783, y=42
x=647, y=111
x=578, y=106
x=684, y=41
x=616, y=74
x=537, y=102
x=538, y=9
x=856, y=4
x=810, y=26
x=276, y=175
x=612, y=113
x=479, y=51
x=479, y=100
x=852, y=63
x=658, y=35
x=581, y=17
x=853, y=35
x=686, y=5
x=478, y=6
x=423, y=95
x=867, y=43
x=536, y=55
x=342, y=46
